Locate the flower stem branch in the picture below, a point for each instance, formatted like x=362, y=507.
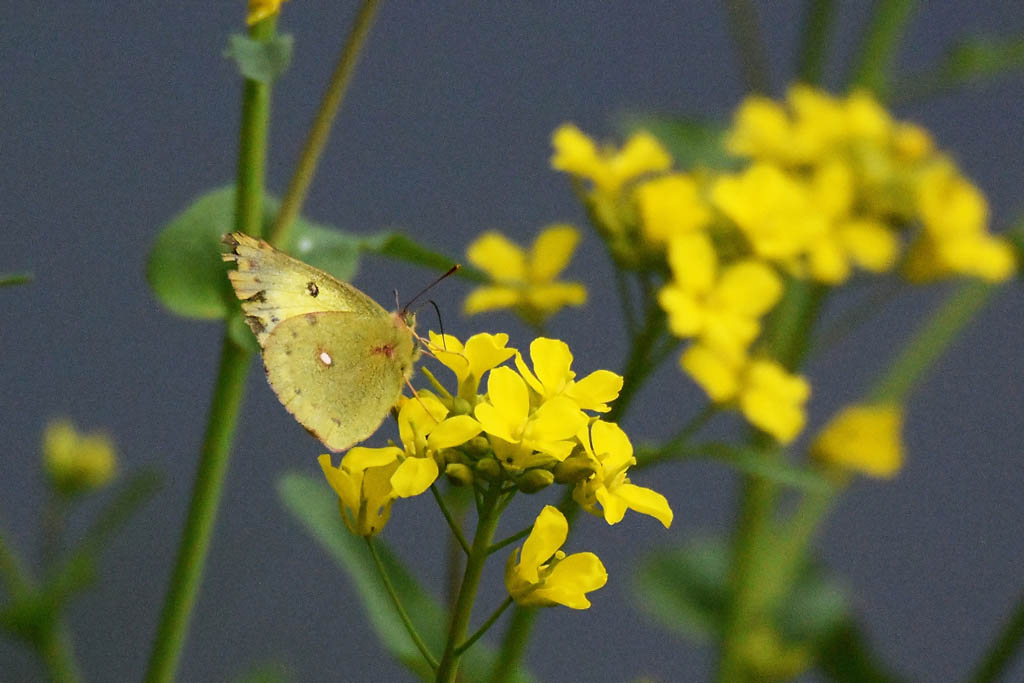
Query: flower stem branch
x=452, y=524
x=882, y=36
x=510, y=540
x=750, y=48
x=818, y=18
x=485, y=626
x=226, y=402
x=489, y=514
x=316, y=141
x=402, y=614
x=1001, y=652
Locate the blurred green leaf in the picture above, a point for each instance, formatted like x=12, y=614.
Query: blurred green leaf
x=399, y=247
x=260, y=60
x=815, y=607
x=268, y=672
x=764, y=464
x=313, y=504
x=12, y=279
x=970, y=61
x=844, y=656
x=693, y=143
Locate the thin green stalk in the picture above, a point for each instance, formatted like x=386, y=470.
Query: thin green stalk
x=881, y=38
x=12, y=279
x=676, y=446
x=495, y=615
x=226, y=402
x=517, y=635
x=321, y=128
x=1000, y=654
x=523, y=533
x=452, y=524
x=12, y=570
x=750, y=49
x=55, y=512
x=488, y=522
x=818, y=18
x=638, y=366
x=402, y=614
x=928, y=344
x=58, y=656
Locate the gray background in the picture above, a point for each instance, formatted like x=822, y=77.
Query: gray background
x=114, y=115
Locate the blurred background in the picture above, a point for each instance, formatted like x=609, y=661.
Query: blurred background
x=114, y=116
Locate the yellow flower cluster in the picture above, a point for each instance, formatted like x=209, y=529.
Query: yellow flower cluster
x=536, y=424
x=261, y=9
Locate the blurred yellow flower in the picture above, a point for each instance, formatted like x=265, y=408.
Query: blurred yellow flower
x=769, y=397
x=542, y=575
x=525, y=281
x=552, y=376
x=77, y=462
x=670, y=206
x=611, y=455
x=261, y=9
x=609, y=169
x=363, y=484
x=865, y=438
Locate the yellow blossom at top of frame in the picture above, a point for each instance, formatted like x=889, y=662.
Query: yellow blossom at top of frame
x=770, y=398
x=424, y=428
x=542, y=575
x=670, y=206
x=772, y=209
x=525, y=281
x=611, y=455
x=722, y=306
x=363, y=484
x=865, y=438
x=77, y=462
x=507, y=414
x=261, y=9
x=609, y=169
x=471, y=360
x=552, y=376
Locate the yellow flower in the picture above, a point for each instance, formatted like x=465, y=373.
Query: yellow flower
x=363, y=484
x=722, y=308
x=611, y=455
x=424, y=429
x=769, y=397
x=469, y=362
x=772, y=209
x=552, y=361
x=608, y=169
x=865, y=438
x=549, y=429
x=77, y=462
x=670, y=206
x=525, y=281
x=261, y=9
x=542, y=575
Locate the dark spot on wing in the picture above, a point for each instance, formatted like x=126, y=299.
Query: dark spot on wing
x=255, y=324
x=298, y=392
x=312, y=289
x=336, y=421
x=258, y=298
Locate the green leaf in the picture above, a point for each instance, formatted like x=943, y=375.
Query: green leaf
x=260, y=60
x=983, y=58
x=313, y=504
x=684, y=588
x=399, y=247
x=816, y=605
x=764, y=464
x=11, y=279
x=692, y=143
x=845, y=657
x=268, y=672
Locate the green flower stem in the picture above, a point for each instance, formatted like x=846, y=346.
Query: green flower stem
x=485, y=626
x=677, y=446
x=882, y=37
x=402, y=614
x=227, y=398
x=12, y=279
x=1000, y=654
x=928, y=345
x=638, y=366
x=58, y=655
x=517, y=635
x=817, y=30
x=12, y=570
x=750, y=49
x=55, y=514
x=316, y=141
x=452, y=524
x=488, y=522
x=510, y=540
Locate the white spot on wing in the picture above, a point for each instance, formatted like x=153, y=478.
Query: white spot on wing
x=325, y=358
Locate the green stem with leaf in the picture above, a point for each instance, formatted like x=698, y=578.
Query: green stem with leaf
x=881, y=38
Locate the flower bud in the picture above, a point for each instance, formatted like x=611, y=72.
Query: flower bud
x=535, y=480
x=459, y=474
x=74, y=462
x=489, y=469
x=574, y=470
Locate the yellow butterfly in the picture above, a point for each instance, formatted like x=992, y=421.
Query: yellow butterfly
x=335, y=358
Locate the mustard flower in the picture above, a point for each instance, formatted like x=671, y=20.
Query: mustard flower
x=469, y=362
x=552, y=376
x=865, y=438
x=424, y=429
x=769, y=397
x=721, y=306
x=261, y=9
x=363, y=484
x=542, y=575
x=77, y=462
x=507, y=415
x=611, y=455
x=525, y=281
x=608, y=169
x=670, y=206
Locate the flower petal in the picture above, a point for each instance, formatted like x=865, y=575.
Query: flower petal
x=498, y=256
x=552, y=361
x=548, y=534
x=414, y=476
x=360, y=458
x=453, y=431
x=571, y=579
x=489, y=298
x=596, y=390
x=552, y=251
x=646, y=502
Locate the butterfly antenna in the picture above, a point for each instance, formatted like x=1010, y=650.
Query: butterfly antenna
x=427, y=288
x=440, y=322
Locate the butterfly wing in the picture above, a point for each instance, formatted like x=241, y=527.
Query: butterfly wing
x=274, y=287
x=339, y=372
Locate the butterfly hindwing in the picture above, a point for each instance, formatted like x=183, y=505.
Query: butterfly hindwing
x=338, y=372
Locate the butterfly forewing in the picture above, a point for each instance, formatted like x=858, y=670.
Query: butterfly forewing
x=339, y=372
